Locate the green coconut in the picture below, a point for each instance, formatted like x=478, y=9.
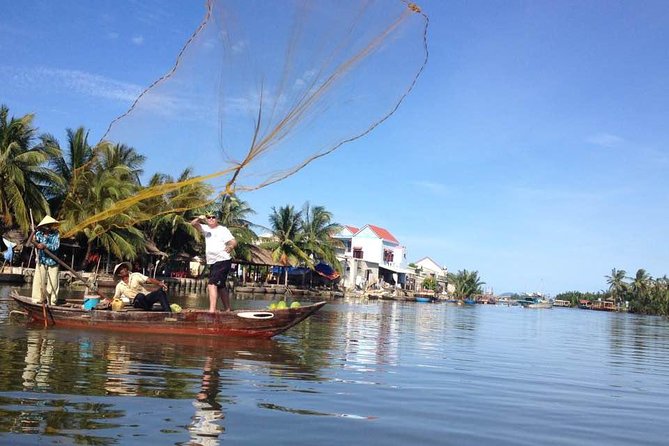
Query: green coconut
x=295, y=304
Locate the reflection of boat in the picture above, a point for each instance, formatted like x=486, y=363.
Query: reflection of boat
x=245, y=323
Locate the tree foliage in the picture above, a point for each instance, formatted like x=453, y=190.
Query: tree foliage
x=466, y=283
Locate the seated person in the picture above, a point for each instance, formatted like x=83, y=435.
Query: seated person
x=131, y=288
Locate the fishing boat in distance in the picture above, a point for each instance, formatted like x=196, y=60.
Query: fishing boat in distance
x=240, y=323
x=535, y=303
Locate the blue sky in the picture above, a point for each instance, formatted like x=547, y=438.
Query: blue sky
x=533, y=149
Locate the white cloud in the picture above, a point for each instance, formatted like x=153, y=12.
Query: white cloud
x=74, y=81
x=605, y=140
x=138, y=40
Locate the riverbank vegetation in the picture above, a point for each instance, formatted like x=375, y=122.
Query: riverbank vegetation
x=640, y=293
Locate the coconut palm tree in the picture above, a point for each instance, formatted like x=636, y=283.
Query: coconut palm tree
x=23, y=171
x=317, y=229
x=98, y=180
x=285, y=224
x=617, y=284
x=640, y=286
x=72, y=163
x=170, y=226
x=466, y=283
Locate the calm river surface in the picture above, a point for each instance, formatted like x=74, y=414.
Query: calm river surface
x=385, y=373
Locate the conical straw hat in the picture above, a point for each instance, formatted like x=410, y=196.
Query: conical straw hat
x=48, y=220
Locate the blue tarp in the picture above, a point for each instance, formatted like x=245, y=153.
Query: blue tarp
x=326, y=271
x=323, y=269
x=292, y=270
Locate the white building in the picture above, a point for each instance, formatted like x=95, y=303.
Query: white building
x=426, y=267
x=371, y=255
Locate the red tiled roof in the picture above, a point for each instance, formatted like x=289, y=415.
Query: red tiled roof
x=383, y=234
x=353, y=229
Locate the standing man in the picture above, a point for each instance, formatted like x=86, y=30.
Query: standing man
x=45, y=280
x=219, y=243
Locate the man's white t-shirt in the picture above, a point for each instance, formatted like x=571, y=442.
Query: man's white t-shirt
x=215, y=240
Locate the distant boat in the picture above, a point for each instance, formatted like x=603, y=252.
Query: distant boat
x=425, y=299
x=604, y=305
x=535, y=303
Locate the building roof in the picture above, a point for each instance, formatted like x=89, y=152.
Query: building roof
x=353, y=229
x=383, y=233
x=428, y=260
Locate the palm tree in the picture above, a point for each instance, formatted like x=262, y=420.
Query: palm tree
x=617, y=285
x=98, y=180
x=640, y=284
x=69, y=166
x=285, y=224
x=23, y=171
x=317, y=229
x=170, y=227
x=467, y=283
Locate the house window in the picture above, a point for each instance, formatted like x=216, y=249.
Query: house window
x=347, y=245
x=357, y=253
x=388, y=255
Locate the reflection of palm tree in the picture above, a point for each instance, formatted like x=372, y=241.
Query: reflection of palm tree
x=204, y=427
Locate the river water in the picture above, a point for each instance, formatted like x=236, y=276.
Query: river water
x=357, y=372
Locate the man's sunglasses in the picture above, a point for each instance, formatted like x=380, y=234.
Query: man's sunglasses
x=211, y=216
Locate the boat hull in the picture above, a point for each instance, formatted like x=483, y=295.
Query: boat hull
x=241, y=323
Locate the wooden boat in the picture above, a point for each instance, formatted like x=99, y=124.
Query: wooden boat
x=11, y=278
x=244, y=323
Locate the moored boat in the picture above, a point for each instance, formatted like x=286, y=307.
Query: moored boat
x=243, y=323
x=535, y=303
x=425, y=298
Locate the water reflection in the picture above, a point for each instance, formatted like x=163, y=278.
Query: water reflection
x=38, y=360
x=337, y=378
x=206, y=427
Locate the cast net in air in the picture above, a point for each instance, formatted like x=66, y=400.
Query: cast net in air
x=261, y=89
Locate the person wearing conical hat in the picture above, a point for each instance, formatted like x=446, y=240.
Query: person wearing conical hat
x=45, y=280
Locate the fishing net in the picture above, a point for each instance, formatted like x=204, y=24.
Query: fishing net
x=263, y=88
